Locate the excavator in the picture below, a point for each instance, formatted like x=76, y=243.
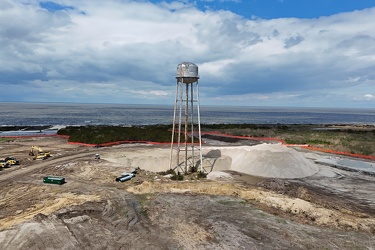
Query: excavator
x=38, y=153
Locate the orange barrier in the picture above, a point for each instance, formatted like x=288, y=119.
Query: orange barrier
x=340, y=153
x=109, y=144
x=295, y=145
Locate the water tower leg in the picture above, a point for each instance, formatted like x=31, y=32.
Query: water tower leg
x=186, y=127
x=192, y=123
x=173, y=127
x=199, y=129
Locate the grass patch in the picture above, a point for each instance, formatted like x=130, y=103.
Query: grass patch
x=143, y=201
x=6, y=139
x=353, y=140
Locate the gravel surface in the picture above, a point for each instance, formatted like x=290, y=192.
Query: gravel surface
x=331, y=209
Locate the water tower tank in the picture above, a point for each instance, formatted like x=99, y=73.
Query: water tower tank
x=187, y=72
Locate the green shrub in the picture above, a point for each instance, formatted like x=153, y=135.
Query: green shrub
x=104, y=134
x=201, y=175
x=177, y=177
x=170, y=171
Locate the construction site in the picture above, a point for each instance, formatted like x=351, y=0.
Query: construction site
x=256, y=195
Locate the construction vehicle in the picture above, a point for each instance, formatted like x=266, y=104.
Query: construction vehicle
x=54, y=180
x=38, y=153
x=125, y=177
x=4, y=164
x=11, y=160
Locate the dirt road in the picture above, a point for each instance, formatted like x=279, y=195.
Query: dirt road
x=333, y=209
x=42, y=163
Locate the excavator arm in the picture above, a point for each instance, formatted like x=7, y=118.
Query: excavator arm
x=38, y=153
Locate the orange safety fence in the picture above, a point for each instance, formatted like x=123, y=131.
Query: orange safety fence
x=340, y=152
x=108, y=144
x=306, y=146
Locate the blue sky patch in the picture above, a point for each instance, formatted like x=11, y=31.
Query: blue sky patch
x=270, y=9
x=52, y=7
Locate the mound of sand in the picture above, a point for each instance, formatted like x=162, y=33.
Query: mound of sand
x=267, y=160
x=147, y=158
x=264, y=160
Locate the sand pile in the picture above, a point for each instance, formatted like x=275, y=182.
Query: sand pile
x=267, y=160
x=147, y=158
x=264, y=160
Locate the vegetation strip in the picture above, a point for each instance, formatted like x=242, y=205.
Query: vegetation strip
x=349, y=140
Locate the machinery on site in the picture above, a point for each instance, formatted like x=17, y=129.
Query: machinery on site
x=4, y=164
x=11, y=160
x=38, y=153
x=54, y=180
x=125, y=177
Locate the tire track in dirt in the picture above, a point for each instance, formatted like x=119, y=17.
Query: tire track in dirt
x=11, y=175
x=294, y=206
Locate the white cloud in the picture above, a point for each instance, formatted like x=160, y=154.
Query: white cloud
x=129, y=50
x=369, y=97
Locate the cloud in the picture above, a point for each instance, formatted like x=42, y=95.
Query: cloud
x=369, y=97
x=127, y=52
x=293, y=41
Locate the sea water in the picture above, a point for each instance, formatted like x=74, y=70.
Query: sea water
x=32, y=114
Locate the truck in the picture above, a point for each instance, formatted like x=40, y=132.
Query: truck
x=125, y=177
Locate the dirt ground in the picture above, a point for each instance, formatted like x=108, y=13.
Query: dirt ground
x=333, y=209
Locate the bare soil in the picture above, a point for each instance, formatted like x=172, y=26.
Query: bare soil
x=333, y=209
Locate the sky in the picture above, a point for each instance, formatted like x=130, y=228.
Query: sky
x=286, y=53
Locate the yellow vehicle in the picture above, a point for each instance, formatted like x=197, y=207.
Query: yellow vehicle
x=38, y=153
x=4, y=164
x=12, y=160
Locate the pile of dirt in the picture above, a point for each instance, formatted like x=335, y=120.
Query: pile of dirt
x=144, y=157
x=268, y=160
x=263, y=160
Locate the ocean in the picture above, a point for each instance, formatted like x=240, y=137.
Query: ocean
x=63, y=114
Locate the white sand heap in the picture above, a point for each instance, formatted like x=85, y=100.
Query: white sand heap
x=150, y=159
x=264, y=160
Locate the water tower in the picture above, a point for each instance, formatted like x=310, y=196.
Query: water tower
x=186, y=145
